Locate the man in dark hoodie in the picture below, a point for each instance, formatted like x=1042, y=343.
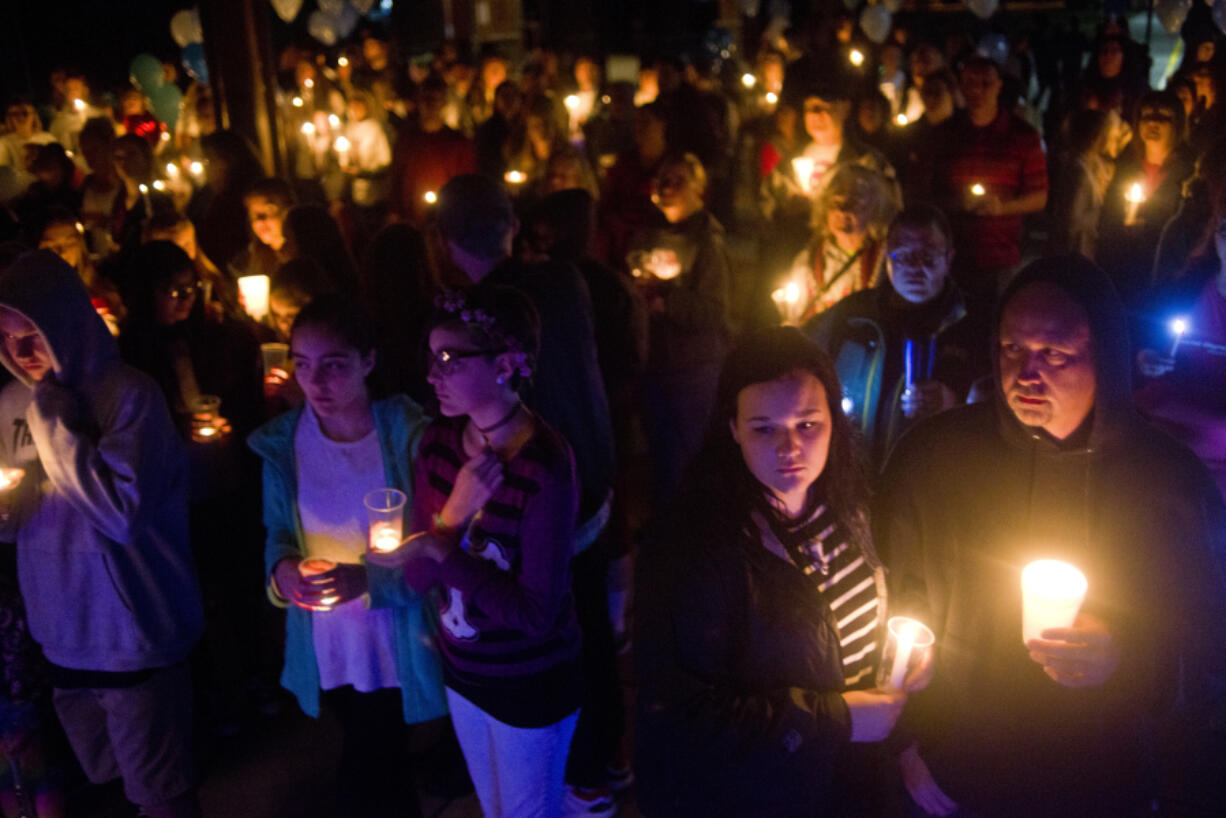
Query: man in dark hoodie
x=1058, y=465
x=100, y=522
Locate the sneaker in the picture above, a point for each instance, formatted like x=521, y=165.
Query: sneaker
x=584, y=801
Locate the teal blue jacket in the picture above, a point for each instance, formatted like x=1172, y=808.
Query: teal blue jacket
x=400, y=423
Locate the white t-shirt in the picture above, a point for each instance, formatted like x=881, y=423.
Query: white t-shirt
x=354, y=645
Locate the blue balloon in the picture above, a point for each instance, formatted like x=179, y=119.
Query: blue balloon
x=194, y=62
x=165, y=104
x=146, y=72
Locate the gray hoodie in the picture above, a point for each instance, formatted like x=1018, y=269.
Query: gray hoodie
x=100, y=519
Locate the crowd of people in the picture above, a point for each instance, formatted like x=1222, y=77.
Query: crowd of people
x=721, y=365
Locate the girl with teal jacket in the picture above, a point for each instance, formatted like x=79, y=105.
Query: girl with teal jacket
x=357, y=638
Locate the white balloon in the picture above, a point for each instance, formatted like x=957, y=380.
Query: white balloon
x=892, y=6
x=347, y=21
x=983, y=9
x=995, y=47
x=320, y=26
x=185, y=27
x=875, y=23
x=362, y=6
x=1219, y=14
x=1172, y=13
x=287, y=10
x=332, y=8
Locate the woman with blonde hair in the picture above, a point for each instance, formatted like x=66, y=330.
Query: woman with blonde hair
x=850, y=217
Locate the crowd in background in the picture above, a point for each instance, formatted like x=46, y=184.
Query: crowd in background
x=877, y=196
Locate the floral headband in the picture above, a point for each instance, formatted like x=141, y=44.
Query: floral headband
x=454, y=302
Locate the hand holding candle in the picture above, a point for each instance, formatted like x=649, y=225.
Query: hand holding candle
x=1052, y=593
x=1083, y=655
x=803, y=167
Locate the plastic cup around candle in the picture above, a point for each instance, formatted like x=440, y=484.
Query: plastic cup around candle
x=1052, y=593
x=10, y=477
x=385, y=513
x=905, y=641
x=314, y=567
x=254, y=292
x=274, y=355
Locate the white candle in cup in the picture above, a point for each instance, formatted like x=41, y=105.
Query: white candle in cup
x=385, y=517
x=254, y=290
x=430, y=196
x=802, y=166
x=903, y=637
x=10, y=478
x=516, y=177
x=1135, y=198
x=978, y=190
x=1052, y=593
x=384, y=539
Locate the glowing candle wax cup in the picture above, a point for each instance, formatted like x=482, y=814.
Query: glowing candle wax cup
x=78, y=104
x=772, y=97
x=906, y=639
x=1135, y=197
x=748, y=80
x=431, y=197
x=978, y=190
x=342, y=145
x=10, y=477
x=515, y=177
x=1052, y=593
x=297, y=102
x=803, y=166
x=385, y=513
x=856, y=57
x=254, y=290
x=308, y=128
x=901, y=120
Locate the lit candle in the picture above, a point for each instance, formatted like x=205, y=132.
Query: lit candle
x=978, y=189
x=297, y=102
x=772, y=97
x=10, y=478
x=384, y=538
x=848, y=405
x=856, y=57
x=749, y=80
x=143, y=188
x=664, y=264
x=515, y=177
x=80, y=228
x=901, y=120
x=254, y=290
x=572, y=102
x=1135, y=198
x=431, y=197
x=308, y=128
x=342, y=62
x=803, y=166
x=903, y=637
x=1178, y=327
x=334, y=121
x=158, y=184
x=1052, y=593
x=78, y=104
x=342, y=145
x=172, y=170
x=308, y=83
x=197, y=168
x=165, y=137
x=207, y=431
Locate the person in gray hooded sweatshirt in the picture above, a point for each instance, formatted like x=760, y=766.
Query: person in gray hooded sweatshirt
x=100, y=522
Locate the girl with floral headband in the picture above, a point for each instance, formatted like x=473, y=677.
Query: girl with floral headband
x=496, y=500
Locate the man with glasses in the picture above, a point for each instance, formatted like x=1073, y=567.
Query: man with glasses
x=905, y=349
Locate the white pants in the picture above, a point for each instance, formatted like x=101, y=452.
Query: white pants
x=518, y=772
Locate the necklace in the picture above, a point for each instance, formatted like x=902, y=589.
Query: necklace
x=499, y=424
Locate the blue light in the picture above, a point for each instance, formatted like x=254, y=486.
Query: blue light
x=385, y=6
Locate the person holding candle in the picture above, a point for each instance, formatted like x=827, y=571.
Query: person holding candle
x=100, y=522
x=268, y=202
x=1159, y=162
x=496, y=502
x=357, y=640
x=1058, y=465
x=760, y=607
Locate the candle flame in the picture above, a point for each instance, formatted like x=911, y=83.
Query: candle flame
x=341, y=144
x=431, y=197
x=515, y=177
x=748, y=80
x=572, y=101
x=308, y=128
x=297, y=102
x=78, y=104
x=1053, y=578
x=772, y=97
x=791, y=293
x=158, y=184
x=978, y=189
x=902, y=120
x=334, y=120
x=856, y=56
x=308, y=83
x=197, y=168
x=172, y=170
x=1179, y=326
x=144, y=188
x=80, y=227
x=1136, y=193
x=342, y=62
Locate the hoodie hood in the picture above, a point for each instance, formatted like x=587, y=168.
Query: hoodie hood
x=50, y=294
x=1090, y=287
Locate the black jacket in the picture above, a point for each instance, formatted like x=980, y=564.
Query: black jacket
x=972, y=496
x=740, y=709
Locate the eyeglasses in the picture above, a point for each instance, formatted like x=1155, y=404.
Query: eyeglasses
x=915, y=258
x=185, y=292
x=446, y=360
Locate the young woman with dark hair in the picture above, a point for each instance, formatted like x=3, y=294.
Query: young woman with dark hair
x=357, y=638
x=761, y=606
